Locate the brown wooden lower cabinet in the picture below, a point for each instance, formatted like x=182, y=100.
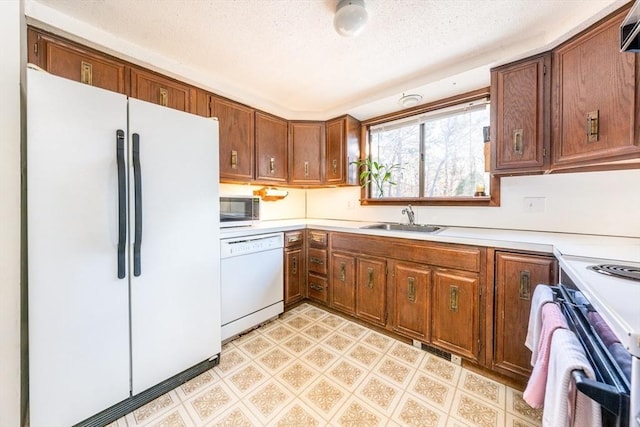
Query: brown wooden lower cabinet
x=317, y=288
x=371, y=290
x=411, y=293
x=455, y=318
x=343, y=282
x=516, y=277
x=294, y=267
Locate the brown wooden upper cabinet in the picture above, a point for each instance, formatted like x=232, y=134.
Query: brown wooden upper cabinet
x=520, y=116
x=306, y=151
x=236, y=139
x=595, y=98
x=75, y=62
x=202, y=103
x=271, y=149
x=343, y=147
x=152, y=87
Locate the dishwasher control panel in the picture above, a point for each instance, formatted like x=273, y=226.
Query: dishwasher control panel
x=243, y=245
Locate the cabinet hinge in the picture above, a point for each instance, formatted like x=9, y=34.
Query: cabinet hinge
x=35, y=49
x=544, y=70
x=544, y=152
x=386, y=316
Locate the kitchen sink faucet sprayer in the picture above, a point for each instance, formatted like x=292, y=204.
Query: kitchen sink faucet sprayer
x=410, y=214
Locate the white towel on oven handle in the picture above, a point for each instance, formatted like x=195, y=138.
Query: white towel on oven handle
x=564, y=406
x=541, y=295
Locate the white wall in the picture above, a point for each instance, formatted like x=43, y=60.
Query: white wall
x=603, y=203
x=10, y=213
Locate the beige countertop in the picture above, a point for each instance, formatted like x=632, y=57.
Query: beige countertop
x=560, y=244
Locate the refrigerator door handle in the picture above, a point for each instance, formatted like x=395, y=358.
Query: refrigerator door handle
x=137, y=182
x=122, y=203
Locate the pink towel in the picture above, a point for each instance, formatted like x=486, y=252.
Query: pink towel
x=564, y=406
x=541, y=295
x=552, y=319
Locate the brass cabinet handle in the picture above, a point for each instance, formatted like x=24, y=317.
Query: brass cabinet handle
x=294, y=265
x=453, y=298
x=411, y=289
x=343, y=272
x=320, y=238
x=306, y=168
x=525, y=285
x=86, y=73
x=294, y=238
x=315, y=286
x=334, y=166
x=370, y=276
x=518, y=144
x=593, y=126
x=234, y=159
x=272, y=165
x=316, y=260
x=164, y=97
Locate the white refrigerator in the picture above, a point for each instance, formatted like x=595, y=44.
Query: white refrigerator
x=123, y=247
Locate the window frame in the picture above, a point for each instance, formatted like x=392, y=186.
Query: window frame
x=493, y=199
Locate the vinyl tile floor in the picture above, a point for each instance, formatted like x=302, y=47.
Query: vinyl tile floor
x=313, y=368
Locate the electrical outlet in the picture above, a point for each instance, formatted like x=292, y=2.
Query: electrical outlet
x=456, y=360
x=534, y=204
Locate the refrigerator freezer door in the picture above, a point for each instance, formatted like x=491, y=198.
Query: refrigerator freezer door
x=78, y=308
x=175, y=300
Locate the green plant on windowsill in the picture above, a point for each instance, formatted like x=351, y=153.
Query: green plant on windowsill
x=372, y=172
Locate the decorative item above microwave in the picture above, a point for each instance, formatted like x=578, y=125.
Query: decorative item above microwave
x=630, y=30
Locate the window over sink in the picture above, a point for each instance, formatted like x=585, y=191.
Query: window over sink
x=436, y=154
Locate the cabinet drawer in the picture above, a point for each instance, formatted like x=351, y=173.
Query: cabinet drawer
x=317, y=261
x=317, y=288
x=293, y=238
x=318, y=239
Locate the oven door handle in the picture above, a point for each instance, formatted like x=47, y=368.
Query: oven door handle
x=606, y=395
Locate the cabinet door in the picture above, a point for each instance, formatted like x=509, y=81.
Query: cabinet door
x=520, y=108
x=160, y=90
x=343, y=282
x=236, y=139
x=516, y=277
x=75, y=62
x=411, y=300
x=318, y=289
x=371, y=290
x=455, y=318
x=271, y=148
x=334, y=165
x=202, y=103
x=293, y=275
x=306, y=152
x=596, y=98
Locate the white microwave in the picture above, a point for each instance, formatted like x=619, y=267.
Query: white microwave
x=239, y=211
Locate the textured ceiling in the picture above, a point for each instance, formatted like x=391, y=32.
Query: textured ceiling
x=284, y=56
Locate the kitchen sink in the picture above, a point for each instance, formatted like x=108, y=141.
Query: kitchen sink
x=396, y=226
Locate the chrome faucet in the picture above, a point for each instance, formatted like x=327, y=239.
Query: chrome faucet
x=410, y=214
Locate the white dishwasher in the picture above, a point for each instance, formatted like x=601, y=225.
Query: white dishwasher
x=251, y=281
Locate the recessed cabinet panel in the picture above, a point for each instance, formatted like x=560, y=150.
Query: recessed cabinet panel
x=160, y=90
x=411, y=300
x=516, y=278
x=306, y=151
x=75, y=62
x=520, y=100
x=371, y=290
x=596, y=99
x=455, y=318
x=271, y=149
x=236, y=139
x=343, y=282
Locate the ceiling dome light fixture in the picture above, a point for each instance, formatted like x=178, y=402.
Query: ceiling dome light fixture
x=411, y=100
x=350, y=18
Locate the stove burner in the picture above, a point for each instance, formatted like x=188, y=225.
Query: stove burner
x=615, y=270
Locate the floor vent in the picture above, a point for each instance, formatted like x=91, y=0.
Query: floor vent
x=437, y=352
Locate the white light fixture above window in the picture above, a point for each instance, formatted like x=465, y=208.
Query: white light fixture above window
x=350, y=18
x=411, y=100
